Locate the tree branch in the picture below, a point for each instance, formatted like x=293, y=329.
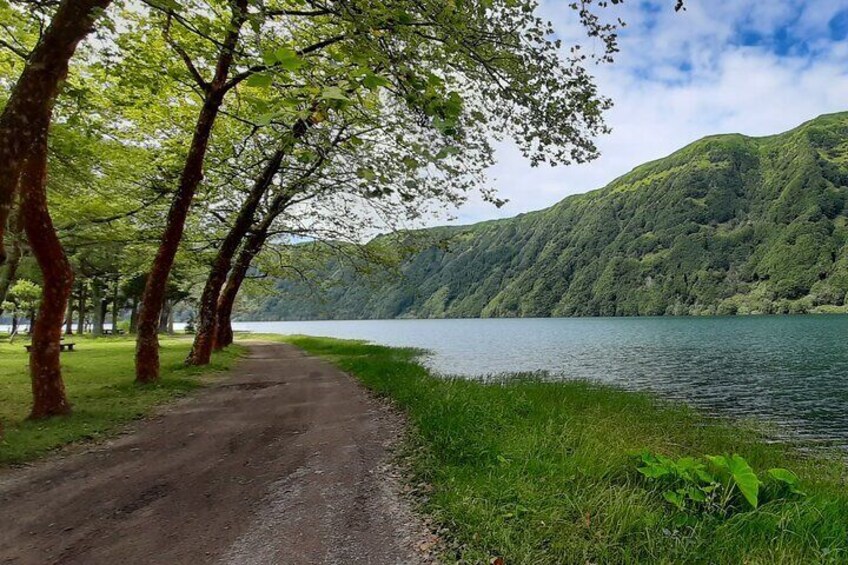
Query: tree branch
x=166, y=33
x=238, y=78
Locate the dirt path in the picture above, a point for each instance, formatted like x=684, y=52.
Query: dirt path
x=284, y=462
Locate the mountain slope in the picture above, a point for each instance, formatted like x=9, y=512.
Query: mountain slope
x=728, y=224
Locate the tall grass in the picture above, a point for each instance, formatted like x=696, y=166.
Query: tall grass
x=543, y=472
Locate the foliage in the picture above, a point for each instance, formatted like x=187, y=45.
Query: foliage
x=23, y=297
x=99, y=381
x=718, y=483
x=417, y=90
x=541, y=472
x=727, y=225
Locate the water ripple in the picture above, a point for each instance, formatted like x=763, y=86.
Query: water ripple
x=789, y=370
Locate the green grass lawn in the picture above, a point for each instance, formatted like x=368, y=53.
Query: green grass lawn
x=544, y=472
x=99, y=380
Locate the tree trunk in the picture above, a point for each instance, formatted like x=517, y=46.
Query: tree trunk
x=32, y=317
x=48, y=390
x=147, y=343
x=115, y=306
x=252, y=247
x=134, y=316
x=201, y=351
x=9, y=271
x=97, y=307
x=104, y=309
x=69, y=316
x=81, y=308
x=29, y=108
x=165, y=316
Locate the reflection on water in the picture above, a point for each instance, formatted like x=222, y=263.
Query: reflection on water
x=792, y=370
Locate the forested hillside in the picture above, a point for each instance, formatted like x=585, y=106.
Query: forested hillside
x=729, y=224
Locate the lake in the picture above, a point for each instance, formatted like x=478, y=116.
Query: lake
x=790, y=370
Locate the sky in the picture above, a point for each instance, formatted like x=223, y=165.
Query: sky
x=756, y=67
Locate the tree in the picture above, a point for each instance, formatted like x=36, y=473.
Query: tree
x=205, y=331
x=369, y=172
x=28, y=111
x=22, y=299
x=147, y=345
x=49, y=398
x=494, y=62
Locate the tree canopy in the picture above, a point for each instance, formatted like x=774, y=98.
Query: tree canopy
x=173, y=139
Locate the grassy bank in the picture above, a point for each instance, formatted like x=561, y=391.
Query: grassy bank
x=545, y=473
x=99, y=380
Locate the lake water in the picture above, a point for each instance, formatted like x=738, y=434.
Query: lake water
x=790, y=370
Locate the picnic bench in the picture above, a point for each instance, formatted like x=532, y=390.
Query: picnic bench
x=114, y=332
x=62, y=347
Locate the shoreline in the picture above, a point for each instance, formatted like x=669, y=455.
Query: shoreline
x=545, y=472
x=522, y=470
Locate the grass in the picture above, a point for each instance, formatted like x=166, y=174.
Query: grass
x=543, y=472
x=99, y=381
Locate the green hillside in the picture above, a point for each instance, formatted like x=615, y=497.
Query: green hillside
x=729, y=224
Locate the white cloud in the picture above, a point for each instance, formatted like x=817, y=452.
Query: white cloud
x=682, y=76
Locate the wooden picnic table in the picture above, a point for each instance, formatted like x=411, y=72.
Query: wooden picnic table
x=62, y=347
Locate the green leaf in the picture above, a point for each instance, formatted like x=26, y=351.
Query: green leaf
x=736, y=471
x=367, y=174
x=675, y=498
x=696, y=494
x=453, y=105
x=403, y=18
x=373, y=82
x=259, y=80
x=654, y=471
x=333, y=93
x=172, y=5
x=410, y=163
x=265, y=119
x=269, y=58
x=745, y=478
x=783, y=475
x=787, y=477
x=719, y=462
x=288, y=59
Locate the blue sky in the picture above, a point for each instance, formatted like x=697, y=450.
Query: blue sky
x=755, y=67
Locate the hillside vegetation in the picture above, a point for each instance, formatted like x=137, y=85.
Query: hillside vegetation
x=727, y=225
